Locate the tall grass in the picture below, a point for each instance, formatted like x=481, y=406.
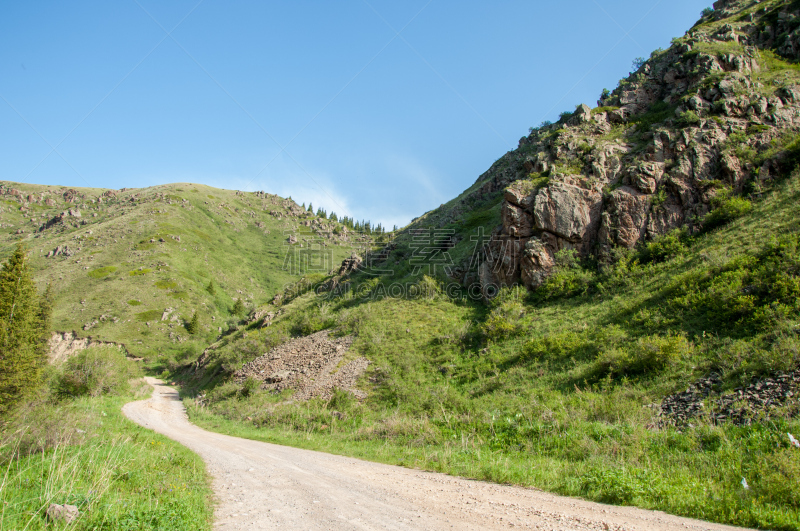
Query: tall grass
x=77, y=448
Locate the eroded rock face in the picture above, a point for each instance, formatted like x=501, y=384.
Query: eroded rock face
x=625, y=217
x=62, y=345
x=567, y=211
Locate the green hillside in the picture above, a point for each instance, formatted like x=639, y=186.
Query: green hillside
x=611, y=311
x=563, y=391
x=136, y=254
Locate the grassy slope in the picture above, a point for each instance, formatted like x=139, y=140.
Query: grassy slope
x=538, y=405
x=120, y=475
x=119, y=273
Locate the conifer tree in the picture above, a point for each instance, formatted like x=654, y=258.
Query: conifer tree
x=311, y=208
x=238, y=307
x=194, y=323
x=211, y=288
x=24, y=322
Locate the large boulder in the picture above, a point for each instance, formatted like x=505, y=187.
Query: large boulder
x=567, y=211
x=625, y=218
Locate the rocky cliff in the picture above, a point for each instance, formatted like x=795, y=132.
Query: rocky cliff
x=715, y=115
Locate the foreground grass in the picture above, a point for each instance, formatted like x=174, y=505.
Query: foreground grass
x=696, y=472
x=120, y=476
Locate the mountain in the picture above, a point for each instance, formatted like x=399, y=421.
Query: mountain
x=712, y=117
x=611, y=311
x=132, y=266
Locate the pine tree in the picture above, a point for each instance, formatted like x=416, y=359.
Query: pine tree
x=211, y=288
x=25, y=321
x=194, y=324
x=311, y=208
x=238, y=307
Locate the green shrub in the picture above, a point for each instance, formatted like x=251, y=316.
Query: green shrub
x=310, y=324
x=427, y=288
x=134, y=302
x=725, y=210
x=193, y=325
x=608, y=108
x=779, y=484
x=564, y=345
x=139, y=272
x=166, y=284
x=102, y=272
x=659, y=112
x=753, y=129
x=96, y=371
x=508, y=294
x=659, y=198
x=498, y=327
x=340, y=400
x=567, y=279
x=647, y=354
x=688, y=118
x=666, y=247
x=250, y=387
x=619, y=486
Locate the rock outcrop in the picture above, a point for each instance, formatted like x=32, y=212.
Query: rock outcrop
x=700, y=118
x=62, y=345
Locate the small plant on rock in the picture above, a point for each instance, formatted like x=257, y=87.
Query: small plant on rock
x=688, y=118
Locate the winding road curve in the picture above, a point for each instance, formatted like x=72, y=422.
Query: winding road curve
x=265, y=486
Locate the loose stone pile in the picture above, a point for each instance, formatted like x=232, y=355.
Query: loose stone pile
x=312, y=366
x=741, y=406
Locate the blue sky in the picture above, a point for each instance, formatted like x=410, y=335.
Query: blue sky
x=378, y=110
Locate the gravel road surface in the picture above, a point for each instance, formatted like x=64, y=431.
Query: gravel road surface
x=265, y=486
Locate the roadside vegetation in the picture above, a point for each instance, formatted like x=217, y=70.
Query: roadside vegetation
x=64, y=440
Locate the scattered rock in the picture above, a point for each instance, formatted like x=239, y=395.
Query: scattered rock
x=60, y=251
x=311, y=366
x=62, y=513
x=741, y=406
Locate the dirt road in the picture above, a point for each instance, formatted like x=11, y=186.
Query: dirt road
x=265, y=486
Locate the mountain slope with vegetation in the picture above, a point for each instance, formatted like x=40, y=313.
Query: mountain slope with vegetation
x=134, y=266
x=611, y=311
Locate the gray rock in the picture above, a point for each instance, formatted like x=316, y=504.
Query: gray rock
x=62, y=513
